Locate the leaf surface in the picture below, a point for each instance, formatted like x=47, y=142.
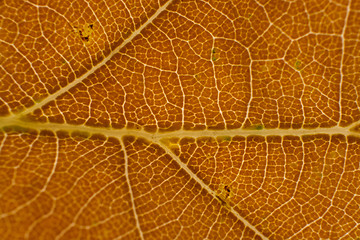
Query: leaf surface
x=179, y=119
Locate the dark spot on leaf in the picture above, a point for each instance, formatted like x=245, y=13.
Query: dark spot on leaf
x=214, y=55
x=221, y=200
x=84, y=32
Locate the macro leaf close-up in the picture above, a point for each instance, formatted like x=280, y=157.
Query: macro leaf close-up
x=203, y=119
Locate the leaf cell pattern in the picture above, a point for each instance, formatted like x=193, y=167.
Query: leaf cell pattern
x=180, y=119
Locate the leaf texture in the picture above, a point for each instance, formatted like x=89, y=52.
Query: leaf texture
x=180, y=119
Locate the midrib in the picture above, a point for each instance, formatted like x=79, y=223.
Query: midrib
x=154, y=136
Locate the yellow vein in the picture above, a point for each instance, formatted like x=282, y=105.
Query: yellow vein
x=207, y=188
x=99, y=65
x=131, y=191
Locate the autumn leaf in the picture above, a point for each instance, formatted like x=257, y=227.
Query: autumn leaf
x=180, y=119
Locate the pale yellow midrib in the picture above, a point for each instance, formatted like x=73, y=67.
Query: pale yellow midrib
x=153, y=136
